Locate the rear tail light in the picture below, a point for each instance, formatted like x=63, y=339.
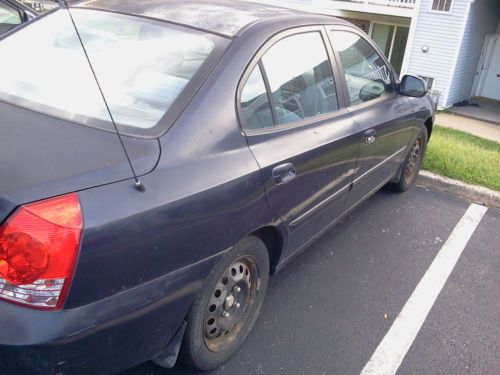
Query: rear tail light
x=38, y=249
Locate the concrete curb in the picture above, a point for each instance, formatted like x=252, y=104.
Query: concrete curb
x=470, y=192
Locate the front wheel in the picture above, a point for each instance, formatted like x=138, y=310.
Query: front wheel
x=228, y=306
x=412, y=163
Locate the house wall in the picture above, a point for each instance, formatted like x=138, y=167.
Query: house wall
x=483, y=19
x=441, y=32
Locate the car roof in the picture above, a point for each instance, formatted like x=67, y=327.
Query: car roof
x=224, y=17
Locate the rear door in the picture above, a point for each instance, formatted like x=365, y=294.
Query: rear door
x=383, y=116
x=293, y=113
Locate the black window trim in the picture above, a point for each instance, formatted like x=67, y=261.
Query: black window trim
x=257, y=60
x=332, y=28
x=263, y=74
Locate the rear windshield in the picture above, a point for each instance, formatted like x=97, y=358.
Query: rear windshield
x=145, y=68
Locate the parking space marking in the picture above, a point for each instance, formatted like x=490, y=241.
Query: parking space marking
x=392, y=349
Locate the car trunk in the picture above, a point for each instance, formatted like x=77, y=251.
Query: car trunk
x=41, y=157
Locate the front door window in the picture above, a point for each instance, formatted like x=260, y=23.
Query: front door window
x=300, y=78
x=367, y=75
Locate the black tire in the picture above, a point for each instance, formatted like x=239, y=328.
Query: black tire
x=200, y=349
x=411, y=165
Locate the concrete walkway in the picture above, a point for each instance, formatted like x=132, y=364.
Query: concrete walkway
x=475, y=127
x=487, y=110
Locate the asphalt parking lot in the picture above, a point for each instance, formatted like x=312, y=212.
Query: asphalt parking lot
x=328, y=310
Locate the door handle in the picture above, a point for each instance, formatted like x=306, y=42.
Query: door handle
x=284, y=173
x=369, y=136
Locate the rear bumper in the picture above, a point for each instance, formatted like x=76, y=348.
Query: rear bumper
x=103, y=337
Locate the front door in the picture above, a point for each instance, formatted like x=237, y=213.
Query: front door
x=381, y=114
x=300, y=133
x=490, y=77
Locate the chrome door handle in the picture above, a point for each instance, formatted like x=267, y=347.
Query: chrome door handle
x=369, y=136
x=284, y=173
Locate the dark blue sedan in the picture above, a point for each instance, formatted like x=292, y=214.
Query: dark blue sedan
x=165, y=157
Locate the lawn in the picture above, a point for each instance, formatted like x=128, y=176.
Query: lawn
x=464, y=157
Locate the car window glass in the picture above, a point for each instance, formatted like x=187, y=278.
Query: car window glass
x=9, y=15
x=143, y=66
x=367, y=75
x=255, y=107
x=300, y=77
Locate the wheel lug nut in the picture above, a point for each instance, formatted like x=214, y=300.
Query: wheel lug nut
x=237, y=289
x=225, y=314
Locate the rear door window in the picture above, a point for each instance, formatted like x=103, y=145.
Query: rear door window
x=255, y=106
x=300, y=78
x=9, y=15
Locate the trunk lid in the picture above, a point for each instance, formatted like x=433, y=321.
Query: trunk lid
x=41, y=157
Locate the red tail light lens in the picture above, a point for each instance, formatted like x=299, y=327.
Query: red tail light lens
x=38, y=249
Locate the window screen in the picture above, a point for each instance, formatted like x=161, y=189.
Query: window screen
x=429, y=81
x=441, y=5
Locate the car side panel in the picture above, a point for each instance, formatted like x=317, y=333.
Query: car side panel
x=324, y=154
x=205, y=194
x=391, y=119
x=189, y=212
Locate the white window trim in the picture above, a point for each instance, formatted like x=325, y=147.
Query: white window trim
x=441, y=11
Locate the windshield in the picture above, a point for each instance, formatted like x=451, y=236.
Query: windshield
x=143, y=66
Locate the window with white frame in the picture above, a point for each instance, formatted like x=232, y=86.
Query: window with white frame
x=391, y=39
x=429, y=81
x=441, y=5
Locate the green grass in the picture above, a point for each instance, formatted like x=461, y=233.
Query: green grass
x=464, y=157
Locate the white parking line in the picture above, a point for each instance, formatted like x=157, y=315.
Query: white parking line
x=392, y=349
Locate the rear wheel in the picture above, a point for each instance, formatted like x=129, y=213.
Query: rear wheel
x=224, y=313
x=412, y=163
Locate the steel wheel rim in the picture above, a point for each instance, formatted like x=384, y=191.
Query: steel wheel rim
x=230, y=303
x=413, y=161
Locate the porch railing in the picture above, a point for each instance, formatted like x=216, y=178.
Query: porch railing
x=397, y=3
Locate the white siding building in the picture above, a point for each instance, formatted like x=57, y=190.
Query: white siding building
x=453, y=44
x=454, y=40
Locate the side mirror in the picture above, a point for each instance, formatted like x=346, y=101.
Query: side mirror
x=413, y=86
x=371, y=91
